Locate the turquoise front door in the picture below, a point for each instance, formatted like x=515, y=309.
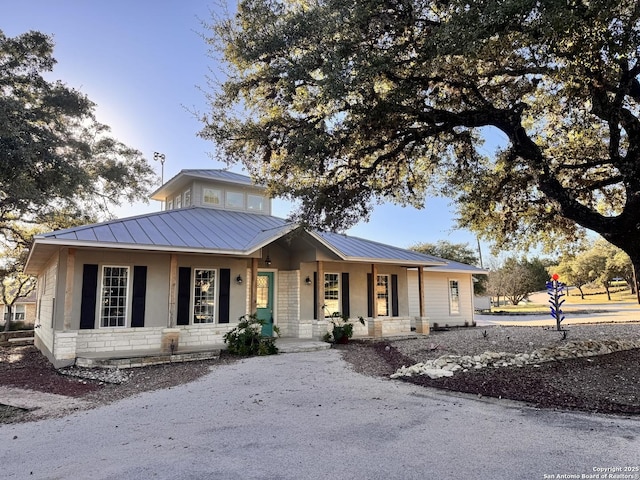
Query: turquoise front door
x=265, y=301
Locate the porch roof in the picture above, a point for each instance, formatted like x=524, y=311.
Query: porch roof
x=360, y=250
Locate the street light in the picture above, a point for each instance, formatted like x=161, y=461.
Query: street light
x=159, y=157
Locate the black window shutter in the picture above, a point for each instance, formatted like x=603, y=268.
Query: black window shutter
x=89, y=292
x=315, y=296
x=138, y=302
x=225, y=287
x=184, y=295
x=394, y=296
x=369, y=295
x=345, y=294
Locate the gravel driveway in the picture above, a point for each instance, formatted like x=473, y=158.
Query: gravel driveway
x=307, y=416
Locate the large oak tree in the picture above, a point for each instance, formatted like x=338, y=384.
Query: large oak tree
x=341, y=104
x=58, y=165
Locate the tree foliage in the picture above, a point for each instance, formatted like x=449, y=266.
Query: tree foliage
x=457, y=252
x=517, y=278
x=599, y=263
x=341, y=104
x=56, y=161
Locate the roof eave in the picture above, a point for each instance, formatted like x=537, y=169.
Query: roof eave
x=134, y=246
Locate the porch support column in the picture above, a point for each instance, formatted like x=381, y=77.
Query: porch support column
x=375, y=323
x=421, y=290
x=320, y=290
x=173, y=289
x=422, y=322
x=253, y=295
x=68, y=288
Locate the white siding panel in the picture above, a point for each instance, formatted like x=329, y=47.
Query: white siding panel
x=436, y=292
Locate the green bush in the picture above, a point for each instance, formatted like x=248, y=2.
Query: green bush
x=247, y=339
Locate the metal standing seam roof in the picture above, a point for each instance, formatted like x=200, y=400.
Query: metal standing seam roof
x=224, y=176
x=452, y=266
x=186, y=229
x=359, y=249
x=209, y=230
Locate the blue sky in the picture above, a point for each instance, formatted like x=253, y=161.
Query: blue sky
x=143, y=62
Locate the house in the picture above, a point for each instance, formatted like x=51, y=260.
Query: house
x=23, y=310
x=182, y=277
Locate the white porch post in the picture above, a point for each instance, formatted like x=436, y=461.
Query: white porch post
x=173, y=291
x=375, y=323
x=68, y=288
x=320, y=290
x=253, y=295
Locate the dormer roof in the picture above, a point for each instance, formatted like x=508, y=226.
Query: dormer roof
x=184, y=177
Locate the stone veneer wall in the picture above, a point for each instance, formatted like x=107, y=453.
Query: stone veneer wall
x=288, y=304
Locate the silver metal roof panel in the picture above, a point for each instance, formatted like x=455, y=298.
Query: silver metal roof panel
x=358, y=248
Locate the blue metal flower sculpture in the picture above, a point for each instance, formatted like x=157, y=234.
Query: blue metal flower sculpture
x=555, y=289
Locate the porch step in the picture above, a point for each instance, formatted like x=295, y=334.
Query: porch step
x=144, y=359
x=20, y=341
x=297, y=345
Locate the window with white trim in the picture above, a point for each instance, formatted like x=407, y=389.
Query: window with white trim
x=204, y=296
x=382, y=296
x=169, y=204
x=211, y=196
x=114, y=296
x=255, y=203
x=17, y=313
x=454, y=297
x=234, y=200
x=331, y=293
x=178, y=201
x=186, y=202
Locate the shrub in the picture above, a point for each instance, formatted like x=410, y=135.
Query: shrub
x=246, y=338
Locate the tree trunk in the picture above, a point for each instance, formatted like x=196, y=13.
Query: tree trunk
x=581, y=292
x=606, y=287
x=635, y=260
x=7, y=320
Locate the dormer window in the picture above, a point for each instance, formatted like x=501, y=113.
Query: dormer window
x=255, y=203
x=211, y=196
x=187, y=199
x=178, y=201
x=235, y=200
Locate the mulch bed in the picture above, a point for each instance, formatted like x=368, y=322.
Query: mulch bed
x=603, y=384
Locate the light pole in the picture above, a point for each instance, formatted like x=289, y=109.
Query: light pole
x=159, y=157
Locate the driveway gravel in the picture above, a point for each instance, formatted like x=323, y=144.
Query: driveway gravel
x=308, y=416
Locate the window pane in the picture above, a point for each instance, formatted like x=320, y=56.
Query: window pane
x=204, y=304
x=263, y=291
x=454, y=297
x=211, y=196
x=178, y=201
x=255, y=202
x=331, y=294
x=382, y=296
x=187, y=199
x=114, y=296
x=235, y=200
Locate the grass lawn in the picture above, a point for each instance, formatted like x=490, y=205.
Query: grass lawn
x=592, y=296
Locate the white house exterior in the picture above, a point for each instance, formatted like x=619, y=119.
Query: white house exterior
x=181, y=278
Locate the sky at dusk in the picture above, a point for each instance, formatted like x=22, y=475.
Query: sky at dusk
x=144, y=63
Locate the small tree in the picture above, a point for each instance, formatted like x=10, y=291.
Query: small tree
x=516, y=279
